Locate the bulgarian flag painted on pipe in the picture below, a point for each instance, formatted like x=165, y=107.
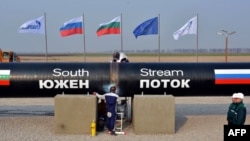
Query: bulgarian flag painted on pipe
x=4, y=77
x=71, y=27
x=111, y=27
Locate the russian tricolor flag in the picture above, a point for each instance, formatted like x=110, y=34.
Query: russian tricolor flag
x=4, y=77
x=232, y=76
x=73, y=26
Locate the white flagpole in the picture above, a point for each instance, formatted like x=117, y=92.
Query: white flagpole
x=159, y=38
x=46, y=46
x=197, y=48
x=121, y=34
x=83, y=32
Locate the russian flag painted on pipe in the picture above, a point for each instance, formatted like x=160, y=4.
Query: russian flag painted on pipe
x=232, y=76
x=71, y=27
x=4, y=77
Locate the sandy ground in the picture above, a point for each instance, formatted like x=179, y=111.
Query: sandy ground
x=136, y=58
x=197, y=118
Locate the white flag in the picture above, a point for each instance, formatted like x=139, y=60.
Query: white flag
x=33, y=26
x=189, y=28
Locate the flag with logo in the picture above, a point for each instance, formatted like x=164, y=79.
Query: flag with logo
x=71, y=27
x=33, y=26
x=4, y=77
x=148, y=27
x=111, y=27
x=189, y=28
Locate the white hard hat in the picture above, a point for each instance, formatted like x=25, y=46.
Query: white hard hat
x=122, y=56
x=238, y=95
x=119, y=57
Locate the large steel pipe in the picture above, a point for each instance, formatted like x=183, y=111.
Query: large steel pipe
x=178, y=79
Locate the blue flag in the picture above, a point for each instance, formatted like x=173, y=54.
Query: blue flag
x=148, y=27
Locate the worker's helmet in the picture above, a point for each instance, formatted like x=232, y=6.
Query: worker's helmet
x=120, y=57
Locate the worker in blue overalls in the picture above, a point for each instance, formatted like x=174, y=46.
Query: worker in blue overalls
x=111, y=99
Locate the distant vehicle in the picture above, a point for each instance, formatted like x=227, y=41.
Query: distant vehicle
x=9, y=56
x=120, y=57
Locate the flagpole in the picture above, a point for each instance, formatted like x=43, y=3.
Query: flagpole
x=197, y=48
x=83, y=32
x=46, y=46
x=159, y=37
x=121, y=34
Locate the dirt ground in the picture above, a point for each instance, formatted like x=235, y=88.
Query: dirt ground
x=134, y=58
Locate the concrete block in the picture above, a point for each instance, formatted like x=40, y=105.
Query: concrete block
x=74, y=113
x=154, y=114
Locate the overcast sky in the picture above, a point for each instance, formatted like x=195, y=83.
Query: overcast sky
x=213, y=16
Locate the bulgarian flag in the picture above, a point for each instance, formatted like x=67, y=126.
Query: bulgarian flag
x=4, y=77
x=111, y=27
